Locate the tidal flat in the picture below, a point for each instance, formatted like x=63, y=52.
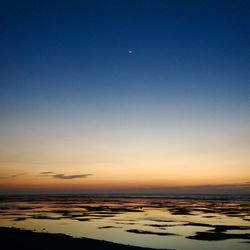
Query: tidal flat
x=149, y=222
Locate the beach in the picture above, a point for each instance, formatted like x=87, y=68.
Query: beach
x=142, y=222
x=14, y=238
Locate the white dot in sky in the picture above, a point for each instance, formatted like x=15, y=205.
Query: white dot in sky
x=130, y=51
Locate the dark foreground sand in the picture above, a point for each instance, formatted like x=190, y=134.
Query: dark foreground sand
x=13, y=238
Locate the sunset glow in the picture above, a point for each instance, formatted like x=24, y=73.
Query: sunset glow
x=75, y=102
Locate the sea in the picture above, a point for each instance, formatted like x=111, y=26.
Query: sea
x=178, y=221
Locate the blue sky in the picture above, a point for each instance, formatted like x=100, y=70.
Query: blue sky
x=65, y=66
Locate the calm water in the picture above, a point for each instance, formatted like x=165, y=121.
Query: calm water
x=146, y=221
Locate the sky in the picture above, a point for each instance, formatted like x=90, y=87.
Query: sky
x=130, y=96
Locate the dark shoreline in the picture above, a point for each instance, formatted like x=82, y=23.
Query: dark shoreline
x=14, y=238
x=196, y=197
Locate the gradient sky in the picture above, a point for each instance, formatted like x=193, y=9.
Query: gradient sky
x=81, y=113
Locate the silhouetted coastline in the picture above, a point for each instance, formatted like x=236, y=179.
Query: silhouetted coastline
x=14, y=238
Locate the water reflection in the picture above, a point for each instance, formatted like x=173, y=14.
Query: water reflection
x=150, y=222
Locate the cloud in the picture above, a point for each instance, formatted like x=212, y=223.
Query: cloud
x=49, y=172
x=69, y=177
x=17, y=175
x=63, y=176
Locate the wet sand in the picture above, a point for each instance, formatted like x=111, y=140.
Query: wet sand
x=13, y=238
x=160, y=223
